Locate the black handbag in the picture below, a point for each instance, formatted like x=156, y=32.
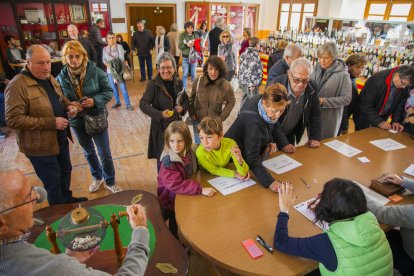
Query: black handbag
x=96, y=124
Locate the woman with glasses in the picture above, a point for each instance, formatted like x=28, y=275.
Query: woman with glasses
x=332, y=82
x=165, y=101
x=114, y=59
x=228, y=52
x=83, y=82
x=209, y=93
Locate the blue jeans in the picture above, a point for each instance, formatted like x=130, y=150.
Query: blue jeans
x=115, y=89
x=196, y=136
x=55, y=173
x=104, y=169
x=188, y=66
x=142, y=60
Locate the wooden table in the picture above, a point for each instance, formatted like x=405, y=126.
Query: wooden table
x=216, y=226
x=167, y=248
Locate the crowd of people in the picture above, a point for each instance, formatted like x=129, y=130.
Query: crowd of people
x=297, y=97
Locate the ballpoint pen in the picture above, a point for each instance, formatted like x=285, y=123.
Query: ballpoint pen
x=263, y=243
x=304, y=182
x=314, y=201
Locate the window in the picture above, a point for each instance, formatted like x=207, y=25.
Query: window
x=392, y=10
x=292, y=13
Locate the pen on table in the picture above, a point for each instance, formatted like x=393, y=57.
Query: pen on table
x=263, y=243
x=314, y=201
x=304, y=182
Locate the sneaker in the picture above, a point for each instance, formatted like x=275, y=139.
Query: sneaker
x=114, y=188
x=116, y=105
x=95, y=185
x=3, y=135
x=130, y=108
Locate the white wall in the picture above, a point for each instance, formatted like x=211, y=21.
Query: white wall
x=352, y=9
x=118, y=9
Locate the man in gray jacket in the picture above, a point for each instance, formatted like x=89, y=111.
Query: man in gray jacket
x=142, y=45
x=402, y=241
x=18, y=257
x=97, y=41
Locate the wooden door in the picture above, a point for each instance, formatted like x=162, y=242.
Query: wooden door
x=153, y=15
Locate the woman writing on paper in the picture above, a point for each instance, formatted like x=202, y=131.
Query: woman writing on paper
x=354, y=244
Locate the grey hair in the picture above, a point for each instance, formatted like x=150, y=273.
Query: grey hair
x=292, y=49
x=165, y=57
x=174, y=27
x=301, y=62
x=72, y=26
x=329, y=48
x=219, y=22
x=30, y=51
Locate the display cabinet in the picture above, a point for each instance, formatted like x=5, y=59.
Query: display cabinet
x=237, y=16
x=100, y=10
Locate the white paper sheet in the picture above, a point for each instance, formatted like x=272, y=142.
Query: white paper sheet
x=342, y=148
x=281, y=164
x=363, y=159
x=310, y=214
x=373, y=195
x=387, y=144
x=227, y=185
x=410, y=170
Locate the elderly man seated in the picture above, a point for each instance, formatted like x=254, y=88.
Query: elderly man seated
x=18, y=257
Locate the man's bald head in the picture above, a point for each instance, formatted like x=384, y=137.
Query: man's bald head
x=39, y=62
x=11, y=181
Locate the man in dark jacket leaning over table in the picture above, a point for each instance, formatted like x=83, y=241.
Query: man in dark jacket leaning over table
x=38, y=111
x=384, y=94
x=304, y=109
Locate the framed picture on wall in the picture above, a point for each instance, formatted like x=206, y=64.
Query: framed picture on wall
x=35, y=16
x=77, y=13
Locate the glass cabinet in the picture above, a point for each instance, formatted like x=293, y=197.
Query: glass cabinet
x=237, y=16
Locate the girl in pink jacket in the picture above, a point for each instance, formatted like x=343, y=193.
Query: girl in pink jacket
x=178, y=163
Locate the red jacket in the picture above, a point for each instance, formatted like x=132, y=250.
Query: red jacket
x=174, y=178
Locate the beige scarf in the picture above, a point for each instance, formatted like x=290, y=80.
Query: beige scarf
x=77, y=76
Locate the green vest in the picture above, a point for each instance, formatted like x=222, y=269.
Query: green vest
x=360, y=246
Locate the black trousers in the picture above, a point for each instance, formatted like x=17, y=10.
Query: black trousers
x=172, y=223
x=402, y=261
x=55, y=173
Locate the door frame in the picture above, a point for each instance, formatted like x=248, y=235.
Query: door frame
x=138, y=5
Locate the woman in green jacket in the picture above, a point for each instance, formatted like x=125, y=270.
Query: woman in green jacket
x=353, y=242
x=83, y=82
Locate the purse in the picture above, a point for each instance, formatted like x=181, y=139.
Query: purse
x=128, y=73
x=385, y=188
x=96, y=124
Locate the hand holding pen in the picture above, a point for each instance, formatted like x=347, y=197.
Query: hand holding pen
x=313, y=203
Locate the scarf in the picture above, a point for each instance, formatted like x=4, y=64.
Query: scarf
x=77, y=76
x=263, y=114
x=160, y=42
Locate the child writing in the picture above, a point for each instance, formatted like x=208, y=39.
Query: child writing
x=215, y=151
x=178, y=163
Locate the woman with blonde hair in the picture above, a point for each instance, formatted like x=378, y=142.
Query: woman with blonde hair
x=228, y=52
x=82, y=81
x=162, y=43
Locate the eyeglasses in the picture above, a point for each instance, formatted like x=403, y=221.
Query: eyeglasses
x=404, y=84
x=110, y=37
x=225, y=36
x=299, y=80
x=165, y=68
x=77, y=57
x=30, y=200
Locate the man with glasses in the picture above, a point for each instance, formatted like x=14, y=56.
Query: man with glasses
x=18, y=257
x=384, y=95
x=291, y=53
x=304, y=109
x=38, y=111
